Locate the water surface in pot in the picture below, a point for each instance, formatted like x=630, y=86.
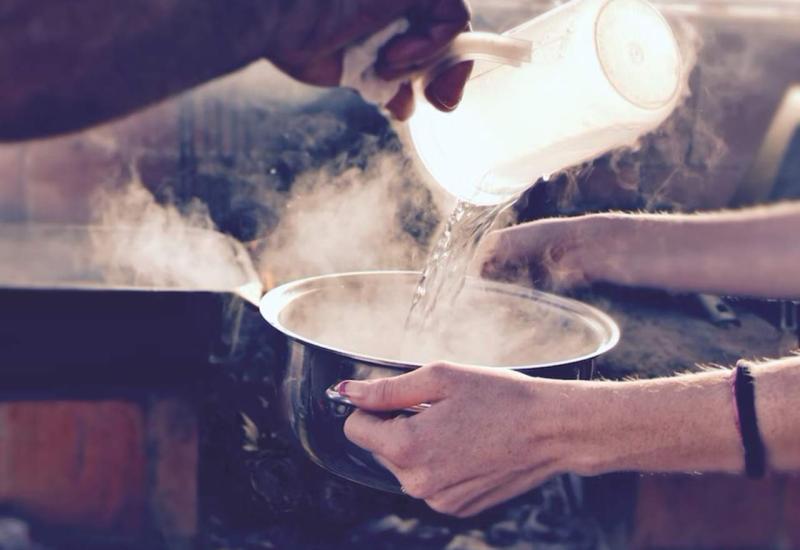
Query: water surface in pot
x=490, y=324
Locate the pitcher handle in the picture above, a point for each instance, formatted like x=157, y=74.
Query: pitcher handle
x=479, y=46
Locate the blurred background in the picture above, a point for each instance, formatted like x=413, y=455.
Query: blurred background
x=315, y=181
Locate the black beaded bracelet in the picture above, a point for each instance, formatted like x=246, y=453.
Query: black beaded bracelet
x=755, y=460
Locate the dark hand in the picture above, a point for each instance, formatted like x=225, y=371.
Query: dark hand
x=310, y=37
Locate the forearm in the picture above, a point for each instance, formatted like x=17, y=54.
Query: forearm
x=751, y=252
x=66, y=65
x=687, y=423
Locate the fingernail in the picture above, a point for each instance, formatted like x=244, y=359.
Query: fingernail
x=351, y=388
x=355, y=389
x=449, y=103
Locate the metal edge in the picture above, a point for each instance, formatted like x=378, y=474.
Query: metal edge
x=273, y=302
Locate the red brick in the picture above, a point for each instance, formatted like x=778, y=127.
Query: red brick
x=75, y=463
x=173, y=460
x=121, y=467
x=710, y=511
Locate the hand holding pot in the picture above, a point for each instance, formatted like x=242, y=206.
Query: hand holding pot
x=492, y=434
x=489, y=435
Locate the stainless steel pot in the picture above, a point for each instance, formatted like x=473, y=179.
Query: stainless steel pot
x=315, y=365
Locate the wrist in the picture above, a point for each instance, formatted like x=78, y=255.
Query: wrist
x=681, y=424
x=592, y=448
x=567, y=416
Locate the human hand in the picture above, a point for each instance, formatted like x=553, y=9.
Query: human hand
x=554, y=253
x=309, y=38
x=489, y=435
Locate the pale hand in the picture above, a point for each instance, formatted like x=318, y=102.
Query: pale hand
x=490, y=434
x=553, y=254
x=702, y=252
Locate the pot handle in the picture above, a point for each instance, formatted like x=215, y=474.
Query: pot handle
x=333, y=395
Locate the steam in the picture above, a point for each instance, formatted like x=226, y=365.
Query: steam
x=347, y=220
x=625, y=170
x=697, y=159
x=489, y=325
x=141, y=243
x=364, y=210
x=686, y=146
x=366, y=216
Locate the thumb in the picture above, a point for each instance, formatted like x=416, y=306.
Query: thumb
x=394, y=393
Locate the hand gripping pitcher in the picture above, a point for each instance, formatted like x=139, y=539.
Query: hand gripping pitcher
x=574, y=83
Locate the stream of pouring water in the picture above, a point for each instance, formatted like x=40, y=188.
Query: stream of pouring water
x=445, y=271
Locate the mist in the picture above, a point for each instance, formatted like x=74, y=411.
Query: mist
x=139, y=242
x=346, y=197
x=490, y=324
x=365, y=217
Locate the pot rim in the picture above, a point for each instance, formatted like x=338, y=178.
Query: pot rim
x=276, y=300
